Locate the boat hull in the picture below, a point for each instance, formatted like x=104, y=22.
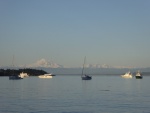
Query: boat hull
x=15, y=78
x=126, y=76
x=138, y=77
x=86, y=77
x=45, y=76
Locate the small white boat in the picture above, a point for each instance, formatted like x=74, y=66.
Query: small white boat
x=23, y=75
x=127, y=75
x=45, y=76
x=138, y=75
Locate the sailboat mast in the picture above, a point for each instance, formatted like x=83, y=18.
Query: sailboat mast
x=83, y=65
x=13, y=65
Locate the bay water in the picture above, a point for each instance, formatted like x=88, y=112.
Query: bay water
x=70, y=94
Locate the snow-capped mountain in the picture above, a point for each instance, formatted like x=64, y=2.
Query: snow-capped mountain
x=44, y=63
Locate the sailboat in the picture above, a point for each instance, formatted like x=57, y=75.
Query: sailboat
x=85, y=76
x=14, y=76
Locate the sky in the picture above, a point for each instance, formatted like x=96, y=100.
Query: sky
x=112, y=32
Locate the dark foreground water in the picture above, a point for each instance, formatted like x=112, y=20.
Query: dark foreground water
x=69, y=94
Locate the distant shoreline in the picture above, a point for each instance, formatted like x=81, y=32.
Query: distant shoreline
x=65, y=71
x=30, y=72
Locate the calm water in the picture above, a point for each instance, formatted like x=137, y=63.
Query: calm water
x=69, y=94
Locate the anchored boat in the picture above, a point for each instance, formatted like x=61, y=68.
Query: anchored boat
x=138, y=75
x=85, y=76
x=45, y=76
x=127, y=75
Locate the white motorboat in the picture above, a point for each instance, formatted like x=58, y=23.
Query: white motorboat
x=45, y=76
x=23, y=75
x=138, y=75
x=127, y=75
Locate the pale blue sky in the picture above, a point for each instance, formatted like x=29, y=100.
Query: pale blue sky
x=113, y=32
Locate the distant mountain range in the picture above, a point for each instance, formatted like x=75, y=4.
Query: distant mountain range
x=96, y=71
x=44, y=63
x=47, y=64
x=90, y=68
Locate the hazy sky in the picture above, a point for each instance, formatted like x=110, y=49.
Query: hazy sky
x=113, y=32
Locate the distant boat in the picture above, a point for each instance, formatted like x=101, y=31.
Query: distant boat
x=127, y=75
x=85, y=76
x=45, y=76
x=14, y=76
x=23, y=75
x=138, y=75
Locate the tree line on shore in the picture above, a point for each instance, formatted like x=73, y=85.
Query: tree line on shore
x=30, y=72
